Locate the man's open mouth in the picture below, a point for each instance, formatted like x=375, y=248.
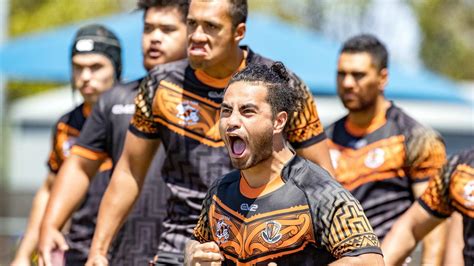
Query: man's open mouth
x=237, y=145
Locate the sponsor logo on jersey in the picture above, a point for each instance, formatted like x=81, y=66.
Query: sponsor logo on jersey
x=188, y=112
x=375, y=158
x=215, y=94
x=120, y=109
x=469, y=193
x=222, y=231
x=271, y=232
x=246, y=207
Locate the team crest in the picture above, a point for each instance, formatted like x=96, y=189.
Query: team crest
x=188, y=112
x=67, y=145
x=222, y=231
x=271, y=232
x=375, y=158
x=469, y=193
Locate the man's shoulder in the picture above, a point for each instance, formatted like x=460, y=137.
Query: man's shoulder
x=336, y=127
x=75, y=114
x=120, y=90
x=308, y=175
x=163, y=70
x=465, y=157
x=404, y=121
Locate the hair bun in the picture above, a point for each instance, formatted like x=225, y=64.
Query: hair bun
x=280, y=70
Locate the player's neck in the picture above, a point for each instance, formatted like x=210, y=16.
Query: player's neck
x=367, y=117
x=269, y=169
x=229, y=66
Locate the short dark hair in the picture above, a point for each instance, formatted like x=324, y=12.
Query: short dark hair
x=181, y=5
x=238, y=11
x=281, y=96
x=370, y=44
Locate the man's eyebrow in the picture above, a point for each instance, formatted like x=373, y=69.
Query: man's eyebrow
x=225, y=105
x=249, y=105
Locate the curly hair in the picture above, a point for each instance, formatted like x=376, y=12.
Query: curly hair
x=281, y=96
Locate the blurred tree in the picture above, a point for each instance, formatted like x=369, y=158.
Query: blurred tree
x=26, y=16
x=448, y=36
x=446, y=27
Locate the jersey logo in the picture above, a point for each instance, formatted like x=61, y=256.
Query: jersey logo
x=188, y=112
x=375, y=158
x=215, y=94
x=246, y=207
x=271, y=232
x=120, y=109
x=469, y=193
x=222, y=231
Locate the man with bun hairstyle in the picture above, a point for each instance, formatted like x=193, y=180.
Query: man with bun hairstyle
x=163, y=40
x=244, y=220
x=96, y=67
x=178, y=108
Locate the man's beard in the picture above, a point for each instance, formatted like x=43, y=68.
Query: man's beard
x=261, y=151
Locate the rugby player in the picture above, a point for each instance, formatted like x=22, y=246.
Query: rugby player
x=277, y=207
x=163, y=40
x=96, y=67
x=380, y=154
x=178, y=107
x=452, y=191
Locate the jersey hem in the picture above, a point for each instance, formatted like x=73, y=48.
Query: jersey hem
x=309, y=142
x=141, y=134
x=430, y=211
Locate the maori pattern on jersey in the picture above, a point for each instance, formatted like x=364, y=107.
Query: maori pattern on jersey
x=426, y=154
x=142, y=119
x=188, y=114
x=305, y=124
x=342, y=218
x=263, y=236
x=383, y=159
x=64, y=139
x=453, y=191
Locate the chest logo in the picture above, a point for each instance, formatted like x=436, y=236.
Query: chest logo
x=246, y=207
x=375, y=158
x=469, y=193
x=188, y=112
x=222, y=231
x=271, y=232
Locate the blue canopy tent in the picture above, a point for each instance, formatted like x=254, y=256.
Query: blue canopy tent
x=45, y=56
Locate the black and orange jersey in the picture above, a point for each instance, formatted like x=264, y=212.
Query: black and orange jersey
x=180, y=106
x=302, y=217
x=454, y=191
x=380, y=164
x=66, y=132
x=103, y=135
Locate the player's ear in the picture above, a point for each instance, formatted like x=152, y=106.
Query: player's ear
x=279, y=122
x=239, y=32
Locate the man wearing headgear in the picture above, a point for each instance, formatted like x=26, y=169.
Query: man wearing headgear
x=103, y=135
x=96, y=67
